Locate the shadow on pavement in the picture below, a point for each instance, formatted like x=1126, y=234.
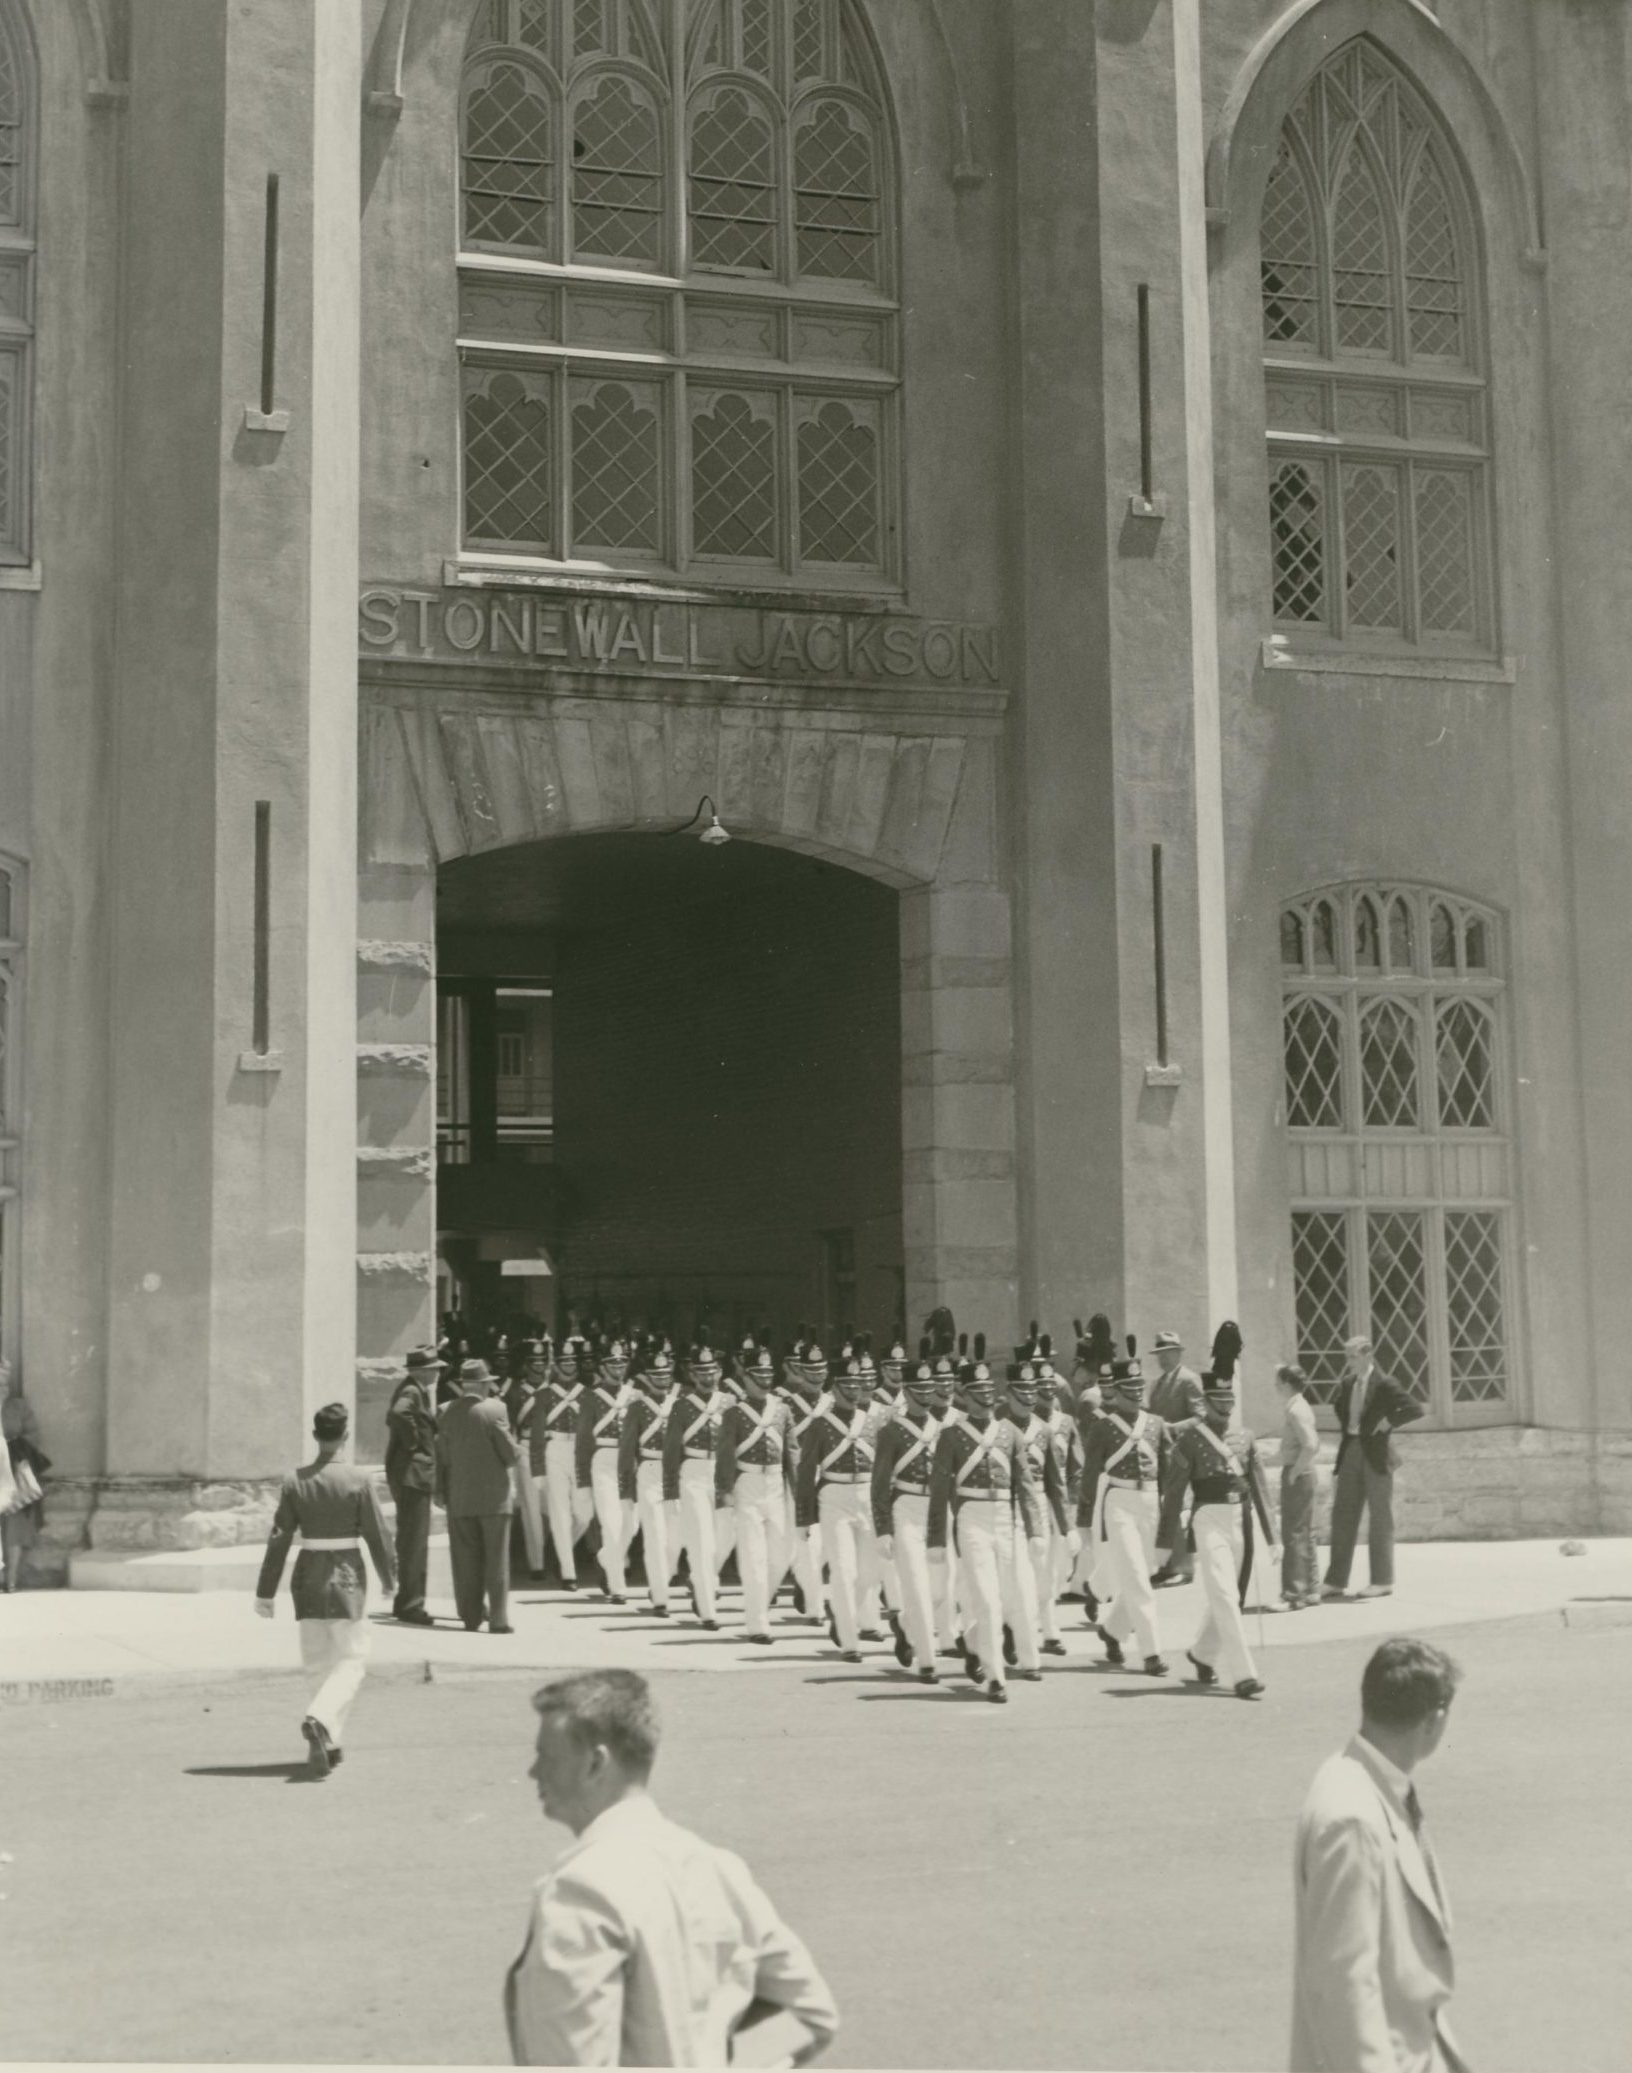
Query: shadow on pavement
x=290, y=1773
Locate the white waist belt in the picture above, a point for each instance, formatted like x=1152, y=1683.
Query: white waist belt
x=331, y=1547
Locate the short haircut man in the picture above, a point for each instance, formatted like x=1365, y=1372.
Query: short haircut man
x=1373, y=1970
x=645, y=1946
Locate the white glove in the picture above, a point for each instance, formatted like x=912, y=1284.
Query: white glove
x=1073, y=1543
x=1039, y=1547
x=266, y=1607
x=937, y=1558
x=885, y=1544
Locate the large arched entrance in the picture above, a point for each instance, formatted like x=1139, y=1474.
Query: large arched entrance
x=668, y=1088
x=730, y=1137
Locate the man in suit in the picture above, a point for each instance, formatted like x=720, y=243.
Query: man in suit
x=1176, y=1397
x=475, y=1453
x=410, y=1471
x=1368, y=1407
x=645, y=1945
x=1372, y=1970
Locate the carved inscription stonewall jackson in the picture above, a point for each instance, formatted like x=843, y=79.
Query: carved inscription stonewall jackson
x=664, y=638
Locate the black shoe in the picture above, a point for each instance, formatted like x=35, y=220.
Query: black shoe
x=832, y=1628
x=799, y=1604
x=660, y=1612
x=1053, y=1648
x=319, y=1749
x=1159, y=1578
x=871, y=1634
x=971, y=1666
x=1113, y=1647
x=471, y=1626
x=903, y=1650
x=765, y=1638
x=1010, y=1654
x=569, y=1583
x=851, y=1655
x=711, y=1626
x=500, y=1627
x=1090, y=1608
x=997, y=1693
x=1155, y=1666
x=928, y=1674
x=955, y=1655
x=1030, y=1676
x=1205, y=1673
x=419, y=1618
x=1249, y=1688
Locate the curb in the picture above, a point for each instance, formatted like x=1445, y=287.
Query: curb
x=1590, y=1613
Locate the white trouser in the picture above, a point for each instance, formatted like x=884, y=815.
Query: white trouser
x=913, y=1575
x=659, y=1529
x=852, y=1555
x=532, y=1518
x=568, y=1508
x=1222, y=1642
x=807, y=1570
x=991, y=1557
x=759, y=1510
x=944, y=1578
x=1052, y=1567
x=334, y=1653
x=612, y=1514
x=1122, y=1566
x=697, y=1528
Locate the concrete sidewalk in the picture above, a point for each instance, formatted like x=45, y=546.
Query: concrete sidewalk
x=127, y=1637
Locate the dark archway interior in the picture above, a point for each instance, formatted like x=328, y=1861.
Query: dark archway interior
x=722, y=1045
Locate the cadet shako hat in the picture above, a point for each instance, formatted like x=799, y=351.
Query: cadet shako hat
x=425, y=1360
x=1218, y=1379
x=331, y=1423
x=1128, y=1374
x=1044, y=1359
x=1096, y=1346
x=892, y=1365
x=702, y=1362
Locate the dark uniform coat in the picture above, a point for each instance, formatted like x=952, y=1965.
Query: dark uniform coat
x=1195, y=1464
x=694, y=1426
x=903, y=1462
x=331, y=1500
x=640, y=1438
x=839, y=1443
x=754, y=1436
x=600, y=1424
x=1143, y=1467
x=1004, y=1465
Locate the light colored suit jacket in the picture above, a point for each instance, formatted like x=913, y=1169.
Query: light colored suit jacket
x=1372, y=1968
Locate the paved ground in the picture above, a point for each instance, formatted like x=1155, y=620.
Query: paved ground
x=1095, y=1876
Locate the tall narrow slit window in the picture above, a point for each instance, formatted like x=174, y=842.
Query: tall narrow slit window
x=679, y=318
x=18, y=103
x=1401, y=1154
x=1378, y=407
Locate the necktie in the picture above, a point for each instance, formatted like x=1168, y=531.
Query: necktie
x=1413, y=1808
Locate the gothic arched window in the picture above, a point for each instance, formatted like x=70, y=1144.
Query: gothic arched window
x=1402, y=1183
x=18, y=102
x=1377, y=403
x=678, y=311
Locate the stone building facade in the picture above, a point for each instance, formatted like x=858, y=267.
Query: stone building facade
x=1133, y=482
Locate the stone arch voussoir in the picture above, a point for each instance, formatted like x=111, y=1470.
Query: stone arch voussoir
x=446, y=779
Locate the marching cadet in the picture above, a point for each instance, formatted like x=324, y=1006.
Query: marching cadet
x=944, y=1568
x=882, y=1599
x=1125, y=1463
x=688, y=1476
x=808, y=1397
x=834, y=1497
x=334, y=1509
x=600, y=1427
x=640, y=1472
x=981, y=1484
x=1029, y=1414
x=892, y=1372
x=1221, y=1470
x=1017, y=1402
x=754, y=1462
x=1065, y=1438
x=532, y=1367
x=900, y=1499
x=552, y=1432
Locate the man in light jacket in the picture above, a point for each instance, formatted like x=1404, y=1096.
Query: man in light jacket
x=1372, y=1969
x=646, y=1946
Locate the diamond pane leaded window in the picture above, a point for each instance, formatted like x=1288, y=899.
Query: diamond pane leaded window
x=733, y=469
x=1388, y=1065
x=698, y=365
x=1320, y=1277
x=1397, y=1272
x=507, y=459
x=11, y=1101
x=1401, y=1181
x=1367, y=276
x=617, y=186
x=1473, y=1289
x=836, y=193
x=1314, y=1065
x=11, y=127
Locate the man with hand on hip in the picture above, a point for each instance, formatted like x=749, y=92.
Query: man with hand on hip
x=334, y=1509
x=410, y=1473
x=1372, y=1965
x=1369, y=1407
x=645, y=1945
